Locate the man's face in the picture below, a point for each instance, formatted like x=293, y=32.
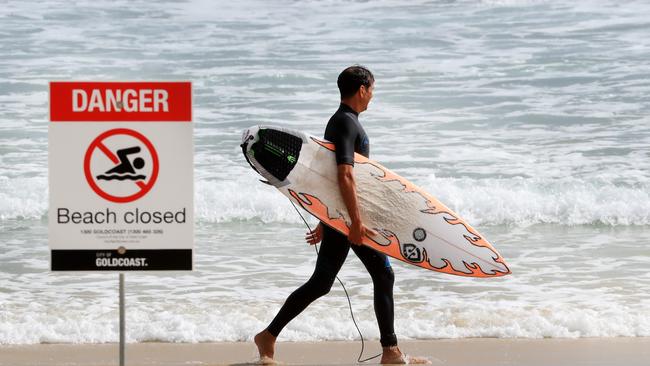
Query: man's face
x=366, y=94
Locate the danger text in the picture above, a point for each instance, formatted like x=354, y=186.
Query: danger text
x=128, y=100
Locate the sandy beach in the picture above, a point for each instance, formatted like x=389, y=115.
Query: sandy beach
x=485, y=351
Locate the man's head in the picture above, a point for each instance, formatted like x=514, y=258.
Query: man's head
x=356, y=84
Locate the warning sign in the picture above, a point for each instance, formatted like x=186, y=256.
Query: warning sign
x=121, y=176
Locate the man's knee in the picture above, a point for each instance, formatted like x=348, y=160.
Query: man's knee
x=385, y=278
x=321, y=284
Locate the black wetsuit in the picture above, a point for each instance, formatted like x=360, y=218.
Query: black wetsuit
x=345, y=131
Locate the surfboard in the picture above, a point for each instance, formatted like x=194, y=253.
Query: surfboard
x=412, y=225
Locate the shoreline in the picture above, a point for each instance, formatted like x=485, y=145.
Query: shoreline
x=626, y=351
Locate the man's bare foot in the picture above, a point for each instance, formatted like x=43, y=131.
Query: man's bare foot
x=393, y=355
x=265, y=342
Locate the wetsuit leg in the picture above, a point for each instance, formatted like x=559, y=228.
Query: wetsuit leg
x=334, y=249
x=383, y=279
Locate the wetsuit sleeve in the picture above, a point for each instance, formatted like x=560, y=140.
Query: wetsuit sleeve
x=343, y=140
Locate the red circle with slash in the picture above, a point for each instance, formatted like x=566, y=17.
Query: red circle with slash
x=97, y=143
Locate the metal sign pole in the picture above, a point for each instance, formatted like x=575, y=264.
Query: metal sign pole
x=122, y=319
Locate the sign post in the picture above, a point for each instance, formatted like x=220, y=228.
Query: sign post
x=122, y=321
x=121, y=178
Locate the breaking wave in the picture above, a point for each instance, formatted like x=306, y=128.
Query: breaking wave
x=512, y=202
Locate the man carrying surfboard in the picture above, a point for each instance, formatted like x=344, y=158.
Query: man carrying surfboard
x=356, y=85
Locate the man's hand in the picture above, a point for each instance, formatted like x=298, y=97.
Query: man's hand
x=316, y=235
x=357, y=231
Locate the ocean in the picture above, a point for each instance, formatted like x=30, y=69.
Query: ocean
x=528, y=118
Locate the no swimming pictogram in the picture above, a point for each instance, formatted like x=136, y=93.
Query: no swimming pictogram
x=121, y=165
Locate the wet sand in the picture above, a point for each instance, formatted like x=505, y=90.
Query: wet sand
x=457, y=352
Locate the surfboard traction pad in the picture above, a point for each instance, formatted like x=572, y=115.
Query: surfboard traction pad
x=396, y=203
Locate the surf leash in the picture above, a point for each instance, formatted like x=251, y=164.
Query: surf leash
x=346, y=295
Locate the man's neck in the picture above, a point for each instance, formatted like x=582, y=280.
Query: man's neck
x=353, y=104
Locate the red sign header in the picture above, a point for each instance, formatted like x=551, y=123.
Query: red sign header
x=72, y=101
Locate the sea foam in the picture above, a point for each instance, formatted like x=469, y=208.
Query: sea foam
x=492, y=201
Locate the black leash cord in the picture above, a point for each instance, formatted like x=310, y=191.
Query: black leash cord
x=346, y=295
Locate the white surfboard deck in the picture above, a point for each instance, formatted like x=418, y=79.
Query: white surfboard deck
x=413, y=226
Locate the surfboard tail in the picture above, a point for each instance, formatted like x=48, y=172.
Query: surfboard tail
x=271, y=152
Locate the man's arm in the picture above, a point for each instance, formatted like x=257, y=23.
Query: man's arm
x=348, y=189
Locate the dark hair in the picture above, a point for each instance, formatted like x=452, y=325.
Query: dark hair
x=351, y=79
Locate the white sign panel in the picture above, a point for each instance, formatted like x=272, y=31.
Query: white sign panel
x=120, y=176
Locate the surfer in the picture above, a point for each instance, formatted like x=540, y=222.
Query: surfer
x=356, y=85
